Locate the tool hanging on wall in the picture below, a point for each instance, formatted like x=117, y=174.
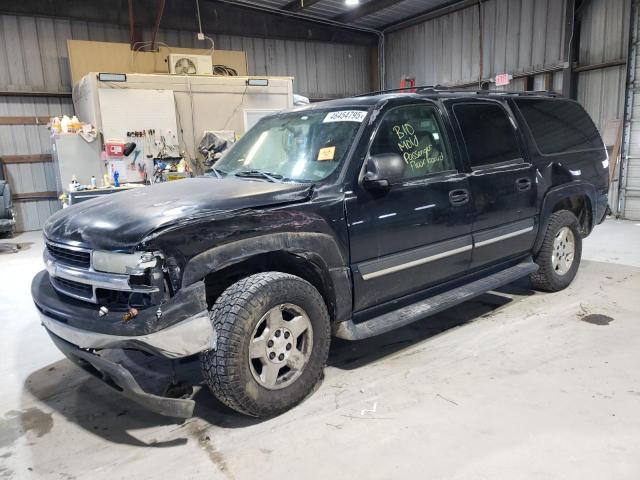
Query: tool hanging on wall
x=148, y=144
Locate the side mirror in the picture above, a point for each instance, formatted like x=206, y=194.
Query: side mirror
x=381, y=170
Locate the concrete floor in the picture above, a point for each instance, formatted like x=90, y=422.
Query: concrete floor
x=514, y=385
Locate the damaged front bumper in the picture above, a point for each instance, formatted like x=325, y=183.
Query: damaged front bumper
x=121, y=380
x=76, y=327
x=190, y=336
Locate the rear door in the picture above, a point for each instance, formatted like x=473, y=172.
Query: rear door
x=502, y=180
x=418, y=233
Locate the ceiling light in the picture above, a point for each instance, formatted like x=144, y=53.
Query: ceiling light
x=351, y=3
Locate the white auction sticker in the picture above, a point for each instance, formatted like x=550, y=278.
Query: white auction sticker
x=345, y=116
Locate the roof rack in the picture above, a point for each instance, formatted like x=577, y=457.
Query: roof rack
x=417, y=88
x=445, y=89
x=528, y=93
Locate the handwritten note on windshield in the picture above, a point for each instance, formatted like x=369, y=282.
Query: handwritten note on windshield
x=418, y=156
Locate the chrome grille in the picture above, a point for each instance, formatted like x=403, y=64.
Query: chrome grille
x=76, y=289
x=70, y=256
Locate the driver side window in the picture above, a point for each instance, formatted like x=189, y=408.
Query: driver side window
x=415, y=133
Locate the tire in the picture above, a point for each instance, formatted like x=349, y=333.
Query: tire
x=555, y=275
x=242, y=317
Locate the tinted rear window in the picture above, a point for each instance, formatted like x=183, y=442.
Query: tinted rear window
x=559, y=126
x=488, y=133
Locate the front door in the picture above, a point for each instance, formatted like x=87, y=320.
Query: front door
x=418, y=232
x=502, y=180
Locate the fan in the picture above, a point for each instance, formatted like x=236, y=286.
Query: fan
x=185, y=66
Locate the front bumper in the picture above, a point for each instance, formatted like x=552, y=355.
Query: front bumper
x=186, y=303
x=190, y=336
x=121, y=380
x=183, y=329
x=6, y=225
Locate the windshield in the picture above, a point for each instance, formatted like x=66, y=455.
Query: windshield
x=302, y=146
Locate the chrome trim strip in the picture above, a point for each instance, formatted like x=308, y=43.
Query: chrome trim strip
x=68, y=247
x=504, y=237
x=188, y=337
x=414, y=263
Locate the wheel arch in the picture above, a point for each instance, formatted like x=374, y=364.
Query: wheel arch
x=576, y=197
x=314, y=257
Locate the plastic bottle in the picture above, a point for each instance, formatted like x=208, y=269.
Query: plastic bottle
x=75, y=124
x=94, y=183
x=55, y=125
x=73, y=186
x=64, y=124
x=116, y=179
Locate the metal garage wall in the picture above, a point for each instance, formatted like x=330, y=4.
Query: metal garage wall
x=30, y=140
x=604, y=38
x=518, y=36
x=33, y=55
x=37, y=50
x=630, y=191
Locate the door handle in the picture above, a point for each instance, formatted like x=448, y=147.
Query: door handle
x=458, y=197
x=523, y=184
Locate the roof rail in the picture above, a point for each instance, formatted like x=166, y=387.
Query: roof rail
x=445, y=89
x=417, y=88
x=528, y=93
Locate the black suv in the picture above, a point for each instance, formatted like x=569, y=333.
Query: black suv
x=349, y=217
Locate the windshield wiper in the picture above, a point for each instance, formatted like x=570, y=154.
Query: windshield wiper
x=216, y=172
x=271, y=177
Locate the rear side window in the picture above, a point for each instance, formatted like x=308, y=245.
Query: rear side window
x=488, y=133
x=559, y=126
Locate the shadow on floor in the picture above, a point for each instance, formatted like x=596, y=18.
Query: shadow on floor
x=14, y=247
x=94, y=406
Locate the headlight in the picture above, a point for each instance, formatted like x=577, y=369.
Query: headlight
x=124, y=263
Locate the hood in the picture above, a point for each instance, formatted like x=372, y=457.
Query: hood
x=120, y=221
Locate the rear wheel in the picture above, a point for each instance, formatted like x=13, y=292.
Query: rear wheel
x=560, y=254
x=273, y=341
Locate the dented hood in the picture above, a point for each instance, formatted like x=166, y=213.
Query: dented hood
x=120, y=221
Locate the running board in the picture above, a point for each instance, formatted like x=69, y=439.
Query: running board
x=424, y=308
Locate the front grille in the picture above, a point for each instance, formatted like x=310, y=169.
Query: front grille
x=68, y=256
x=75, y=288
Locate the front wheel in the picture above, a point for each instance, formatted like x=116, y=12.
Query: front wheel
x=559, y=256
x=273, y=341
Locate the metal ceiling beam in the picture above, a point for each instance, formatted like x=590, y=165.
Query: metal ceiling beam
x=156, y=25
x=366, y=9
x=299, y=5
x=218, y=17
x=430, y=14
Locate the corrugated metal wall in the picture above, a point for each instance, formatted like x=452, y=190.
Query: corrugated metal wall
x=604, y=37
x=37, y=51
x=34, y=52
x=518, y=36
x=29, y=140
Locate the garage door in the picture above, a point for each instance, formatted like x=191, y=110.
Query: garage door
x=630, y=194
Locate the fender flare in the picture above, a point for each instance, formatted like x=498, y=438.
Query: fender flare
x=555, y=195
x=319, y=249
